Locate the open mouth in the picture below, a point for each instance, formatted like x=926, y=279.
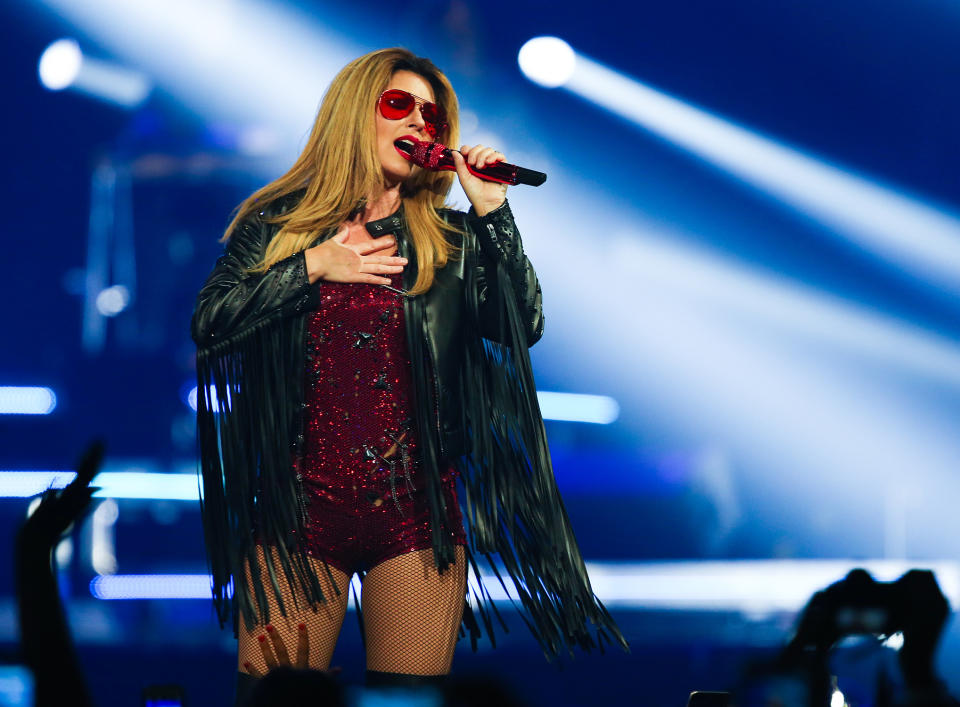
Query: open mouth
x=405, y=145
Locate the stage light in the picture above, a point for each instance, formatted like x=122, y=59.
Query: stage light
x=103, y=555
x=574, y=407
x=113, y=484
x=209, y=55
x=756, y=587
x=17, y=686
x=26, y=400
x=113, y=300
x=60, y=64
x=151, y=586
x=64, y=66
x=548, y=61
x=885, y=221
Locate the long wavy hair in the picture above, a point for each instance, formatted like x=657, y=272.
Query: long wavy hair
x=339, y=167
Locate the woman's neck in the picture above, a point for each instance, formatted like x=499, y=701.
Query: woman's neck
x=381, y=205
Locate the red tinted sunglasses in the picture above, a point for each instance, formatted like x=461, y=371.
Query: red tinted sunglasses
x=395, y=104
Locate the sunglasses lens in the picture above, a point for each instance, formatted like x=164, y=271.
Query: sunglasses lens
x=433, y=117
x=396, y=104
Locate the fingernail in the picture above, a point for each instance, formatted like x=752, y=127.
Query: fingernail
x=269, y=628
x=301, y=627
x=247, y=666
x=262, y=638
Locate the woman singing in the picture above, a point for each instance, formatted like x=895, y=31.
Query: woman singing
x=360, y=348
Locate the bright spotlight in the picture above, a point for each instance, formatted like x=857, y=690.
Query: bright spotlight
x=60, y=64
x=890, y=224
x=63, y=65
x=548, y=61
x=113, y=300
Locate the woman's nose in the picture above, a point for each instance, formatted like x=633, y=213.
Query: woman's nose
x=416, y=119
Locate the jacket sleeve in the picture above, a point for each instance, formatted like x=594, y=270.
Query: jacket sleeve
x=233, y=300
x=501, y=254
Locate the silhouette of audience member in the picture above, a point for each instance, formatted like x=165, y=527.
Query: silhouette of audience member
x=44, y=634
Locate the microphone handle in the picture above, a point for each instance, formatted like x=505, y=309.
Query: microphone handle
x=507, y=173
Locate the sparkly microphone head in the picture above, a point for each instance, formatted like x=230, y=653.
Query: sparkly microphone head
x=423, y=154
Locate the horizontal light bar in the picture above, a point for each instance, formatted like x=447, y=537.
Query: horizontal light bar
x=574, y=407
x=26, y=400
x=749, y=586
x=151, y=586
x=113, y=484
x=753, y=586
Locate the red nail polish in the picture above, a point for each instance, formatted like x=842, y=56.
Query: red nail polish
x=269, y=628
x=247, y=666
x=302, y=626
x=261, y=638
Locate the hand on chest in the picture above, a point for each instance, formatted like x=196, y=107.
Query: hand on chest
x=357, y=234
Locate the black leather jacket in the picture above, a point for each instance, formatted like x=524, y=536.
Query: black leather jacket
x=233, y=301
x=475, y=404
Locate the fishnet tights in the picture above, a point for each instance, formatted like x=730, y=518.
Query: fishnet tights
x=411, y=616
x=323, y=623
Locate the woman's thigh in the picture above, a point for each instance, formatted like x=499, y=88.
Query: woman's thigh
x=412, y=613
x=322, y=622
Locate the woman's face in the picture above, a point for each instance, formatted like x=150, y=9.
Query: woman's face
x=395, y=167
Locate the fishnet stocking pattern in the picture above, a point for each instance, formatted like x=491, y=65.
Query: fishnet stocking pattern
x=411, y=615
x=323, y=623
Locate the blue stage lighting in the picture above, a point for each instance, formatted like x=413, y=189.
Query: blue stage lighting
x=63, y=65
x=749, y=586
x=209, y=55
x=113, y=300
x=60, y=64
x=113, y=484
x=26, y=400
x=151, y=586
x=574, y=407
x=16, y=686
x=548, y=61
x=884, y=221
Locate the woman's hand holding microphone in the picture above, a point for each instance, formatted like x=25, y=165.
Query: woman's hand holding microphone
x=485, y=196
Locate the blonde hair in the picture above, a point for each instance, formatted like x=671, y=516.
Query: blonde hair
x=339, y=167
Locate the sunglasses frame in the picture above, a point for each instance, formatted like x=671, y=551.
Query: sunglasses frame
x=435, y=128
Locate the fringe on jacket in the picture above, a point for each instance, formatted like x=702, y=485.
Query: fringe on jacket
x=250, y=393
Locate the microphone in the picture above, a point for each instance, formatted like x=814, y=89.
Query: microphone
x=436, y=156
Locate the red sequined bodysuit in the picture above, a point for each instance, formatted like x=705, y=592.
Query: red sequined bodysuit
x=361, y=470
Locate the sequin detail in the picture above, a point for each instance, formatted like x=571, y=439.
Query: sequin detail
x=361, y=469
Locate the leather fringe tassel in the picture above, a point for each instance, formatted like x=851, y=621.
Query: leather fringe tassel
x=249, y=394
x=512, y=503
